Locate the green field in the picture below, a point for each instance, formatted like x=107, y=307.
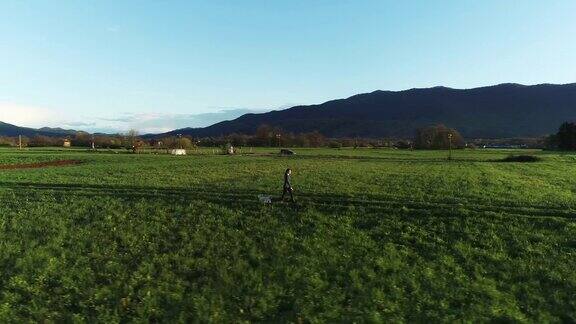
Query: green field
x=376, y=236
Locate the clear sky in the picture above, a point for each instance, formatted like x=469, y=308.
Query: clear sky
x=157, y=65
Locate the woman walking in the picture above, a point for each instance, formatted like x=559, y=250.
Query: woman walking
x=288, y=185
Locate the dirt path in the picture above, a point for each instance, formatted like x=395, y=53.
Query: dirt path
x=38, y=165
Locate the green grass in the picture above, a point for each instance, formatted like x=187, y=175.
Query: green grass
x=377, y=235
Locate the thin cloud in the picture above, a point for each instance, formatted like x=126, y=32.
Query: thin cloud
x=143, y=122
x=125, y=119
x=113, y=29
x=159, y=123
x=79, y=124
x=24, y=115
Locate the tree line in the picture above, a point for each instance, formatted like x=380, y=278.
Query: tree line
x=265, y=136
x=128, y=141
x=433, y=137
x=430, y=137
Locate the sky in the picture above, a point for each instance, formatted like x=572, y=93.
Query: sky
x=159, y=65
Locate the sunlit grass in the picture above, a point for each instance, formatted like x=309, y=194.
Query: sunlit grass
x=377, y=235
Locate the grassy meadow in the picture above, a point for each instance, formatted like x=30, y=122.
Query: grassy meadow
x=376, y=236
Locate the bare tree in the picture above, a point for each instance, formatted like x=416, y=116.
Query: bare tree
x=131, y=139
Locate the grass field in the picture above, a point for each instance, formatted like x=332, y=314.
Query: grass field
x=376, y=236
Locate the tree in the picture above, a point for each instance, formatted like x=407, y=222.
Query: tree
x=82, y=139
x=438, y=137
x=131, y=138
x=186, y=143
x=105, y=141
x=565, y=139
x=316, y=139
x=175, y=142
x=43, y=141
x=8, y=141
x=301, y=140
x=263, y=136
x=238, y=139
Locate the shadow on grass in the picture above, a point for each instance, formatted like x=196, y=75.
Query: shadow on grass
x=519, y=159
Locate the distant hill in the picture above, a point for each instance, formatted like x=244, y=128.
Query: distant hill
x=505, y=110
x=12, y=130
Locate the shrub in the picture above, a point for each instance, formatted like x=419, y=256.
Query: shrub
x=402, y=145
x=335, y=144
x=520, y=158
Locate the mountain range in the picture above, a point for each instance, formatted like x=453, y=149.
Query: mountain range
x=13, y=130
x=500, y=111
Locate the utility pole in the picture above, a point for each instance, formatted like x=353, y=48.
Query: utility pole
x=449, y=146
x=20, y=141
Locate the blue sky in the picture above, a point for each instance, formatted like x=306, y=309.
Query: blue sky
x=158, y=65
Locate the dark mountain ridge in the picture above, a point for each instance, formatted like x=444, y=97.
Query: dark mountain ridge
x=499, y=111
x=13, y=130
x=505, y=110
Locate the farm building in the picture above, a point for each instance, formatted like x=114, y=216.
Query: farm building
x=67, y=143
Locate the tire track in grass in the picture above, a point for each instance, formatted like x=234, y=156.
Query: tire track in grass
x=38, y=165
x=374, y=203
